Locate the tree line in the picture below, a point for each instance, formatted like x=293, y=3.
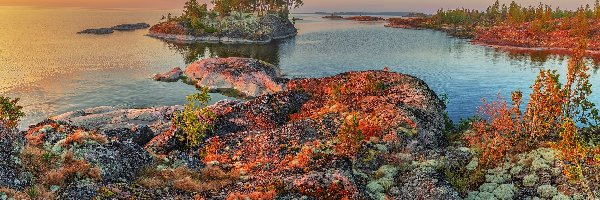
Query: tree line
x=512, y=13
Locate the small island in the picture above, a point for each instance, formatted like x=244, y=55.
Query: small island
x=228, y=23
x=121, y=27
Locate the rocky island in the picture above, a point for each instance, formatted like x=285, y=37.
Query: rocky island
x=121, y=27
x=198, y=24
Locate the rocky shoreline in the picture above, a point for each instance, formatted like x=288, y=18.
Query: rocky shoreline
x=553, y=50
x=213, y=39
x=355, y=135
x=286, y=141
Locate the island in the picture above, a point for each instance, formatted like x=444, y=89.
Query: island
x=121, y=27
x=227, y=23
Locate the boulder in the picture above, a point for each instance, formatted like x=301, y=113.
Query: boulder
x=171, y=76
x=117, y=161
x=245, y=76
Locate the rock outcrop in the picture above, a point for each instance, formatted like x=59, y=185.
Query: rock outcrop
x=245, y=77
x=107, y=118
x=171, y=76
x=356, y=135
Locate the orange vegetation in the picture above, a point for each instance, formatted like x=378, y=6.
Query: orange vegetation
x=253, y=196
x=169, y=27
x=79, y=136
x=559, y=34
x=505, y=130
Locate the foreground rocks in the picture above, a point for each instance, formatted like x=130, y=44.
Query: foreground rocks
x=356, y=135
x=231, y=29
x=110, y=118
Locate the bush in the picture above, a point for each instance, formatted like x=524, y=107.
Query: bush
x=353, y=132
x=506, y=129
x=10, y=112
x=194, y=122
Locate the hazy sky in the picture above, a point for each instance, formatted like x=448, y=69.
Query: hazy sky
x=310, y=5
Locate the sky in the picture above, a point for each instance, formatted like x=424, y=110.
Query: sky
x=427, y=6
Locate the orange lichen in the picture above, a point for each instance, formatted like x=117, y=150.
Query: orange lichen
x=253, y=196
x=79, y=136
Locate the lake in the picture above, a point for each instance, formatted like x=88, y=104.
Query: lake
x=53, y=70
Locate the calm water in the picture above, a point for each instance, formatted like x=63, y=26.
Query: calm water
x=53, y=70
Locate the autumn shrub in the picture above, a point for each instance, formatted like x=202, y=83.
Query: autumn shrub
x=505, y=130
x=10, y=112
x=353, y=132
x=194, y=122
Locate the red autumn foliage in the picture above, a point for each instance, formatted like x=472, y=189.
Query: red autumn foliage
x=170, y=27
x=565, y=34
x=268, y=195
x=506, y=130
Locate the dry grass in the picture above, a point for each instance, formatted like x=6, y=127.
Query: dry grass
x=50, y=170
x=184, y=179
x=35, y=160
x=14, y=193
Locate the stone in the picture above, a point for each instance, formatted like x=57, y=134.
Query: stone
x=171, y=76
x=245, y=76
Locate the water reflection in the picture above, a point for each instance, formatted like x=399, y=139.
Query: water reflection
x=541, y=58
x=196, y=51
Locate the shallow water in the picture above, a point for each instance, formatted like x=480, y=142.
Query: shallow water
x=53, y=70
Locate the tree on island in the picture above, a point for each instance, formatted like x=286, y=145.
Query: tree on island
x=225, y=7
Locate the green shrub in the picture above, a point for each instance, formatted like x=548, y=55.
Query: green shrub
x=10, y=112
x=505, y=191
x=195, y=121
x=530, y=180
